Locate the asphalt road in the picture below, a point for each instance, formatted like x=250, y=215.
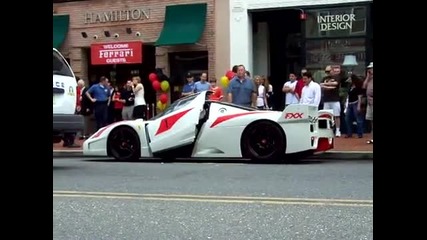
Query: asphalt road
x=315, y=200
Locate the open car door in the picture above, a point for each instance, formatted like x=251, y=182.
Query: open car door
x=176, y=125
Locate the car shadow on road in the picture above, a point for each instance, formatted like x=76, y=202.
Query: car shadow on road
x=58, y=168
x=224, y=161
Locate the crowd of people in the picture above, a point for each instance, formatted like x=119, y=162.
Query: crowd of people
x=257, y=93
x=358, y=104
x=106, y=104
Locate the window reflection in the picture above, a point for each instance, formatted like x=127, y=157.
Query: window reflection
x=323, y=52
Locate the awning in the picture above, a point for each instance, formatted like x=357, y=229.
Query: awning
x=60, y=29
x=184, y=24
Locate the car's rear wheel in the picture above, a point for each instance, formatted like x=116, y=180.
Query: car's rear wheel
x=123, y=144
x=263, y=141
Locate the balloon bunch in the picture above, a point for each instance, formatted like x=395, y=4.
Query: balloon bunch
x=225, y=80
x=160, y=85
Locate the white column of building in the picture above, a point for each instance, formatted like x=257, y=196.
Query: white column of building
x=240, y=35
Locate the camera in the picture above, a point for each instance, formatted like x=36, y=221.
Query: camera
x=138, y=34
x=95, y=36
x=116, y=35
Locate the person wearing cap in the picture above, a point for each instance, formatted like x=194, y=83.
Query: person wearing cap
x=331, y=96
x=368, y=84
x=188, y=88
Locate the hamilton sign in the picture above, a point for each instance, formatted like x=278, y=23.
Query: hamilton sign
x=336, y=22
x=116, y=16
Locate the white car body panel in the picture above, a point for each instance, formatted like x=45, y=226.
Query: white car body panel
x=96, y=145
x=220, y=135
x=182, y=132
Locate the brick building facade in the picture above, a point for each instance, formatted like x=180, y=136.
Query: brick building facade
x=89, y=18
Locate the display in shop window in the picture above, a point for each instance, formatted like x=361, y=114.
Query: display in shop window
x=324, y=52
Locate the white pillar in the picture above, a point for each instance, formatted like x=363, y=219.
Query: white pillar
x=240, y=35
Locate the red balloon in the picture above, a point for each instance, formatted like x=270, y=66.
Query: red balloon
x=163, y=98
x=153, y=77
x=229, y=75
x=156, y=85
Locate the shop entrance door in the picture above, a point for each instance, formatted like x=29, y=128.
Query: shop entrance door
x=285, y=47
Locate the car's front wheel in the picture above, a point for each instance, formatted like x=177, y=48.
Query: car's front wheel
x=123, y=144
x=263, y=141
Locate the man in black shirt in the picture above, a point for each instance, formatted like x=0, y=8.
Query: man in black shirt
x=331, y=96
x=128, y=98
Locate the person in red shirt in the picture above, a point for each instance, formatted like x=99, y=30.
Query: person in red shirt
x=118, y=105
x=300, y=85
x=217, y=91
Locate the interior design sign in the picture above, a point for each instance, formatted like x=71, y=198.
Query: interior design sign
x=335, y=22
x=116, y=53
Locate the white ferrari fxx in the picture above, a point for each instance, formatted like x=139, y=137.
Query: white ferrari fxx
x=196, y=127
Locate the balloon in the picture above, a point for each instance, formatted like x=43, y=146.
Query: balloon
x=164, y=85
x=229, y=75
x=163, y=98
x=224, y=81
x=156, y=85
x=161, y=106
x=153, y=77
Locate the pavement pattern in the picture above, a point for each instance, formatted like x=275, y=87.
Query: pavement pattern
x=96, y=199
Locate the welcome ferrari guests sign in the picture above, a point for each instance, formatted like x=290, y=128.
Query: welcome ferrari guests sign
x=116, y=53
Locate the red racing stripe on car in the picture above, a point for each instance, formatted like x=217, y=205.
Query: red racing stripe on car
x=228, y=117
x=97, y=134
x=168, y=122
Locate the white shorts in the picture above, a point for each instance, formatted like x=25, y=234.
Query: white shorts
x=334, y=106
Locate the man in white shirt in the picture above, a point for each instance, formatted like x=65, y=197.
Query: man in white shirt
x=311, y=92
x=289, y=90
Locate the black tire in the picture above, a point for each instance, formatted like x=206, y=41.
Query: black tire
x=263, y=141
x=124, y=144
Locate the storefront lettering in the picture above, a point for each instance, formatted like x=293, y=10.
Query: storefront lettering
x=335, y=22
x=117, y=16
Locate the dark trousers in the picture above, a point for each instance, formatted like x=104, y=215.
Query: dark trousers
x=117, y=115
x=101, y=114
x=351, y=115
x=139, y=111
x=69, y=139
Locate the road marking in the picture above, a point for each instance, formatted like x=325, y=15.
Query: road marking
x=216, y=199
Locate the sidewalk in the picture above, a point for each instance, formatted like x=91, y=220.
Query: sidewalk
x=341, y=145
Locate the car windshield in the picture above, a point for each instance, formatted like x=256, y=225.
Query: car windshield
x=60, y=66
x=178, y=104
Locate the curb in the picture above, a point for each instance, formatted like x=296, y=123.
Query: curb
x=332, y=155
x=344, y=155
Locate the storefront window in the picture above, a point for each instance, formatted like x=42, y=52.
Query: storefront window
x=336, y=22
x=323, y=52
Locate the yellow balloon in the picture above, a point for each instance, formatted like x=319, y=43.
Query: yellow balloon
x=224, y=81
x=164, y=85
x=161, y=106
